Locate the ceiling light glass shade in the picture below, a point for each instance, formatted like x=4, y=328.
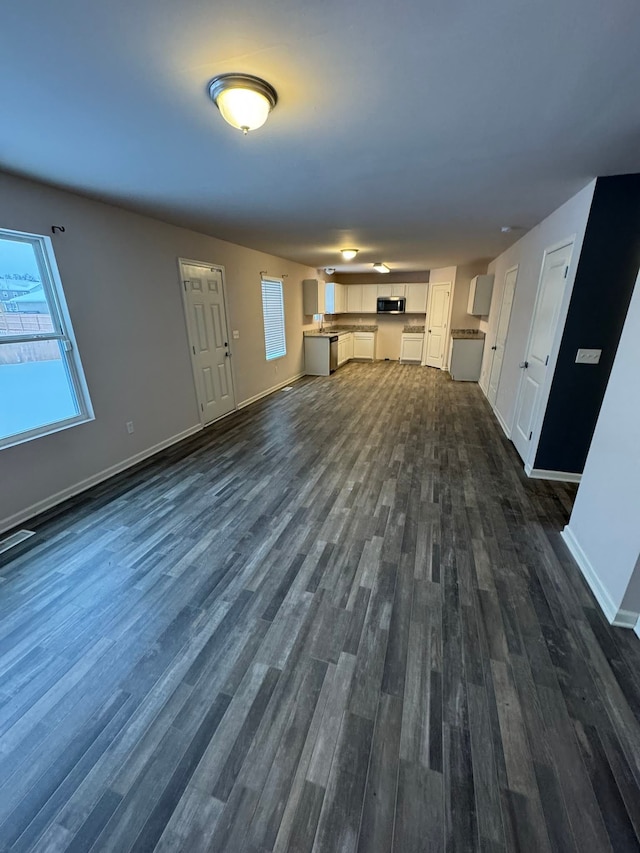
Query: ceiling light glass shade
x=380, y=267
x=349, y=254
x=243, y=100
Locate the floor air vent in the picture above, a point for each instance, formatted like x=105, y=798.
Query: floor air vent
x=15, y=539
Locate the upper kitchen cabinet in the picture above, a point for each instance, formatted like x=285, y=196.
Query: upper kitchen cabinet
x=385, y=290
x=369, y=298
x=416, y=298
x=480, y=291
x=313, y=297
x=354, y=298
x=361, y=298
x=335, y=298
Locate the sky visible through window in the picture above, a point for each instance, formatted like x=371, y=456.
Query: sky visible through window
x=35, y=387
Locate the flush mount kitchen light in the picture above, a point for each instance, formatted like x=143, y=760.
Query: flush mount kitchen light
x=380, y=267
x=348, y=254
x=244, y=101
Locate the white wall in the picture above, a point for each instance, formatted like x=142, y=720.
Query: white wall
x=604, y=529
x=569, y=220
x=121, y=282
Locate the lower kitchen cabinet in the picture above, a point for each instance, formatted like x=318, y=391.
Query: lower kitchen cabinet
x=343, y=349
x=466, y=359
x=364, y=345
x=411, y=346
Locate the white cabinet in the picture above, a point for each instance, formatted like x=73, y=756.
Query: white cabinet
x=480, y=291
x=345, y=348
x=369, y=298
x=313, y=296
x=364, y=345
x=361, y=298
x=342, y=349
x=335, y=298
x=411, y=346
x=391, y=289
x=466, y=359
x=416, y=298
x=354, y=298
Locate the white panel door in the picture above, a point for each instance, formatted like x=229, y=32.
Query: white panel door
x=209, y=340
x=501, y=333
x=437, y=320
x=543, y=328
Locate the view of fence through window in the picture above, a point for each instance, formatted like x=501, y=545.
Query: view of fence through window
x=36, y=388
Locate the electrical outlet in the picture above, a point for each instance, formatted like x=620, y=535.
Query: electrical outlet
x=129, y=426
x=276, y=367
x=588, y=356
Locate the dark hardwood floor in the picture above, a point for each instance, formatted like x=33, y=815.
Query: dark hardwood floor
x=339, y=620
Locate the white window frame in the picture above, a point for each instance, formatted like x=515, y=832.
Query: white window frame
x=62, y=332
x=279, y=353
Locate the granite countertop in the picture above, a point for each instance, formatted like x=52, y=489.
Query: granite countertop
x=467, y=334
x=338, y=330
x=412, y=329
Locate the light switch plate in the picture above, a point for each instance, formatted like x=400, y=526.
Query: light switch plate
x=588, y=356
x=236, y=334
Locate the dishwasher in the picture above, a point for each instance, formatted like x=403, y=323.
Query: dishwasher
x=333, y=353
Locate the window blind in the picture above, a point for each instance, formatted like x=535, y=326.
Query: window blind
x=273, y=314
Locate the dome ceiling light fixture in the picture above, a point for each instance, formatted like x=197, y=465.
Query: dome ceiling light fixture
x=380, y=267
x=349, y=254
x=244, y=101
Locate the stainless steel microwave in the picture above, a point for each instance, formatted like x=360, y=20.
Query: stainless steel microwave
x=390, y=305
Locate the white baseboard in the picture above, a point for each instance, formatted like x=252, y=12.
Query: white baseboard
x=543, y=474
x=615, y=615
x=505, y=428
x=271, y=390
x=83, y=485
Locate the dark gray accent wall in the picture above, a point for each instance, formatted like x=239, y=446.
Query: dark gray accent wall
x=605, y=278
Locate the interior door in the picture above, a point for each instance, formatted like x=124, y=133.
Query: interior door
x=501, y=333
x=437, y=319
x=545, y=320
x=209, y=339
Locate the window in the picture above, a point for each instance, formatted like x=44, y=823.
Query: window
x=42, y=388
x=275, y=341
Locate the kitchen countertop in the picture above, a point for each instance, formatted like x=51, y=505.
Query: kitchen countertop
x=415, y=330
x=338, y=330
x=467, y=334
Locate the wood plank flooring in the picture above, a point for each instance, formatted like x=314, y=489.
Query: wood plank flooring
x=339, y=620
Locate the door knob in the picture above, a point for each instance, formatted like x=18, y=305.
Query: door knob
x=524, y=364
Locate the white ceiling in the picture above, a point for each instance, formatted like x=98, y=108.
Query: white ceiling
x=412, y=130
